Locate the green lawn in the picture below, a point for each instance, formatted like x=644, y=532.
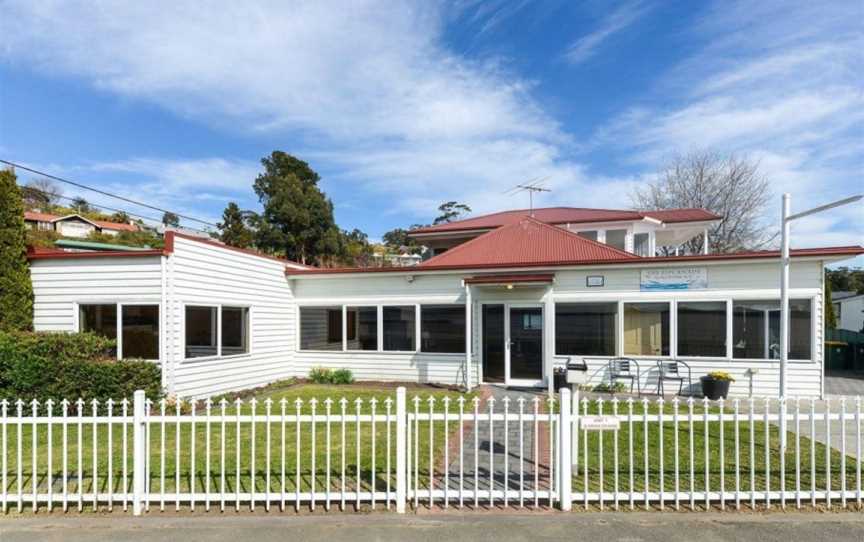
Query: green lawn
x=177, y=465
x=721, y=462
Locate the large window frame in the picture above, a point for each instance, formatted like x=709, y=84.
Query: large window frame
x=119, y=329
x=219, y=307
x=345, y=306
x=812, y=298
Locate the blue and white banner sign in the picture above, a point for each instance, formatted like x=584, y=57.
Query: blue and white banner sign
x=684, y=278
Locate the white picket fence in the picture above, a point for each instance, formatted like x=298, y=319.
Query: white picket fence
x=403, y=452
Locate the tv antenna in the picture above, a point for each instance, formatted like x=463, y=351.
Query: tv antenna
x=533, y=186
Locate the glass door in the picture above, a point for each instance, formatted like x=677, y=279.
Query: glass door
x=512, y=344
x=493, y=344
x=525, y=353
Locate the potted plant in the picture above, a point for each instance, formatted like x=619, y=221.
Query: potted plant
x=716, y=385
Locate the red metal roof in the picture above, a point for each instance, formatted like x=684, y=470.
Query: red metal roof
x=825, y=252
x=104, y=224
x=528, y=241
x=569, y=215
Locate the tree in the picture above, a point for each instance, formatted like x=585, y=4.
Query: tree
x=170, y=219
x=16, y=290
x=235, y=230
x=356, y=250
x=729, y=186
x=450, y=211
x=121, y=217
x=844, y=279
x=81, y=206
x=397, y=239
x=298, y=217
x=41, y=193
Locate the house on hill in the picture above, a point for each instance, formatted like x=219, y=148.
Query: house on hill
x=74, y=225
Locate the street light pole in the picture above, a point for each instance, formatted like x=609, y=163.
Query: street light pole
x=786, y=220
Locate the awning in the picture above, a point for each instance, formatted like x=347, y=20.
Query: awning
x=536, y=278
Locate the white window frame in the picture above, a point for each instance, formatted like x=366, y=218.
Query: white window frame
x=420, y=328
x=813, y=329
x=345, y=308
x=616, y=331
x=76, y=307
x=218, y=307
x=672, y=328
x=673, y=349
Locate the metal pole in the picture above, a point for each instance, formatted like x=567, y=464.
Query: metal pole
x=784, y=313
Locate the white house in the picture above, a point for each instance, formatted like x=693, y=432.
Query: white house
x=506, y=306
x=74, y=225
x=849, y=310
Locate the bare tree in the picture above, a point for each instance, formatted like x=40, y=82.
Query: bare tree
x=42, y=192
x=730, y=186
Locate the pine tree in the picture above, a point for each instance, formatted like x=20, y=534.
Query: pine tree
x=234, y=229
x=16, y=290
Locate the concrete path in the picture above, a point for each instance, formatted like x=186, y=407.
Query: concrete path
x=498, y=444
x=844, y=384
x=624, y=526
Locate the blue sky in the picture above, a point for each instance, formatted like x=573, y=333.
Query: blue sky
x=400, y=106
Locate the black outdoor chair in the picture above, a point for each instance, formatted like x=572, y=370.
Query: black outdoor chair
x=625, y=369
x=672, y=370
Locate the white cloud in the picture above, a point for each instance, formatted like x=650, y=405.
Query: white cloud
x=586, y=46
x=778, y=81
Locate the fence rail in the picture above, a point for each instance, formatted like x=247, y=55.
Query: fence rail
x=400, y=452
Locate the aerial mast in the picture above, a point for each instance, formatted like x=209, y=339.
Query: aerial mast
x=532, y=187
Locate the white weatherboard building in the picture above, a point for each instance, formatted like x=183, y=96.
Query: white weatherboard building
x=505, y=304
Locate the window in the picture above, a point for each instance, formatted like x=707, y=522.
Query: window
x=235, y=331
x=321, y=328
x=442, y=329
x=399, y=328
x=99, y=319
x=586, y=329
x=140, y=331
x=139, y=327
x=702, y=328
x=201, y=331
x=590, y=234
x=640, y=244
x=756, y=329
x=616, y=238
x=646, y=329
x=362, y=328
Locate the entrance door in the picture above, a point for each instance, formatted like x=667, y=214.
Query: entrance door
x=513, y=344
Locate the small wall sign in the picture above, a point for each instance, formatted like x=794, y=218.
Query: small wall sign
x=683, y=278
x=595, y=281
x=600, y=423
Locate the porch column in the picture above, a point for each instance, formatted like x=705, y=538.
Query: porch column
x=549, y=339
x=468, y=312
x=705, y=241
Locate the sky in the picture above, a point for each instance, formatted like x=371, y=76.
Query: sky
x=403, y=105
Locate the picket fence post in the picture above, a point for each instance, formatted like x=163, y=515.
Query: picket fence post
x=565, y=454
x=139, y=451
x=401, y=451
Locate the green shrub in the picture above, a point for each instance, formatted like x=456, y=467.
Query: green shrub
x=322, y=375
x=16, y=291
x=342, y=376
x=616, y=387
x=70, y=366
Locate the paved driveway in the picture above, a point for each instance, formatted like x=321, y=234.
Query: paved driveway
x=844, y=384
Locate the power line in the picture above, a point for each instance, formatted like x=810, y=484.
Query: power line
x=104, y=193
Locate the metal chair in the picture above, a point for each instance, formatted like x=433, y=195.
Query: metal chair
x=623, y=369
x=671, y=370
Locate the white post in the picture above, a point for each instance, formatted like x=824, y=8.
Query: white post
x=565, y=463
x=468, y=324
x=401, y=452
x=139, y=451
x=705, y=241
x=784, y=313
x=574, y=441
